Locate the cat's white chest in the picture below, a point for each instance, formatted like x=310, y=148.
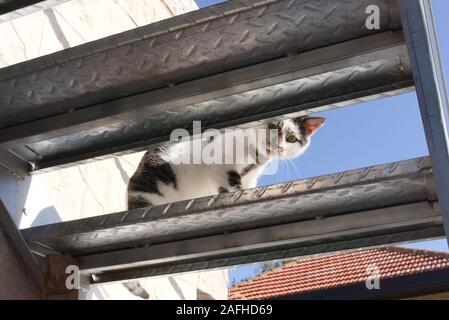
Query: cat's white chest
x=193, y=181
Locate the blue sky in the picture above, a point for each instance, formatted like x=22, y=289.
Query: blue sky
x=365, y=134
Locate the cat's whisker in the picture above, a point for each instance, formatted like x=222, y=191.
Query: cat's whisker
x=288, y=171
x=294, y=167
x=285, y=175
x=290, y=163
x=283, y=157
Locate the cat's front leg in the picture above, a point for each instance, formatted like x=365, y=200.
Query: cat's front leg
x=234, y=182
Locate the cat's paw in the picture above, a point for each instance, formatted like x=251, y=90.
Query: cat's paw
x=223, y=190
x=234, y=181
x=228, y=189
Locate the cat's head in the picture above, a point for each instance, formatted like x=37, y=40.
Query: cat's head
x=293, y=136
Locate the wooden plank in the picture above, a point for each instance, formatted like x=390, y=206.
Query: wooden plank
x=57, y=279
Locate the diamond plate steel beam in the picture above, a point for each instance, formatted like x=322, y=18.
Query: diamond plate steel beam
x=397, y=237
x=362, y=229
x=200, y=43
x=352, y=71
x=341, y=193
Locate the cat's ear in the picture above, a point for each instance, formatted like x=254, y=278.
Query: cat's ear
x=312, y=124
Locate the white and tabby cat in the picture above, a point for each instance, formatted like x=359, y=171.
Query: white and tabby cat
x=161, y=178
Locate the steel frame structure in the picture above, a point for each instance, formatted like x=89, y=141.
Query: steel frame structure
x=234, y=64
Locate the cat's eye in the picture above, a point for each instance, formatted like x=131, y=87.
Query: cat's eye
x=291, y=138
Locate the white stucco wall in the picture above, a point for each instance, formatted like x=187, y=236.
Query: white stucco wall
x=96, y=188
x=80, y=21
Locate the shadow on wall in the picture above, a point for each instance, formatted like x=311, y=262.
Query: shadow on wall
x=47, y=215
x=26, y=200
x=14, y=193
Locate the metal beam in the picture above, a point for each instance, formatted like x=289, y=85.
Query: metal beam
x=337, y=58
x=368, y=228
x=423, y=49
x=368, y=206
x=365, y=68
x=15, y=164
x=355, y=190
x=212, y=40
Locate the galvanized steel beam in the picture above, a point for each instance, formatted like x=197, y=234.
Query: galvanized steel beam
x=390, y=225
x=356, y=70
x=370, y=206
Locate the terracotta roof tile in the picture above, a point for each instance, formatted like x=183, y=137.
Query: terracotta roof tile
x=338, y=269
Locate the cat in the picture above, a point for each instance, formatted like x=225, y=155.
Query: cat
x=168, y=175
